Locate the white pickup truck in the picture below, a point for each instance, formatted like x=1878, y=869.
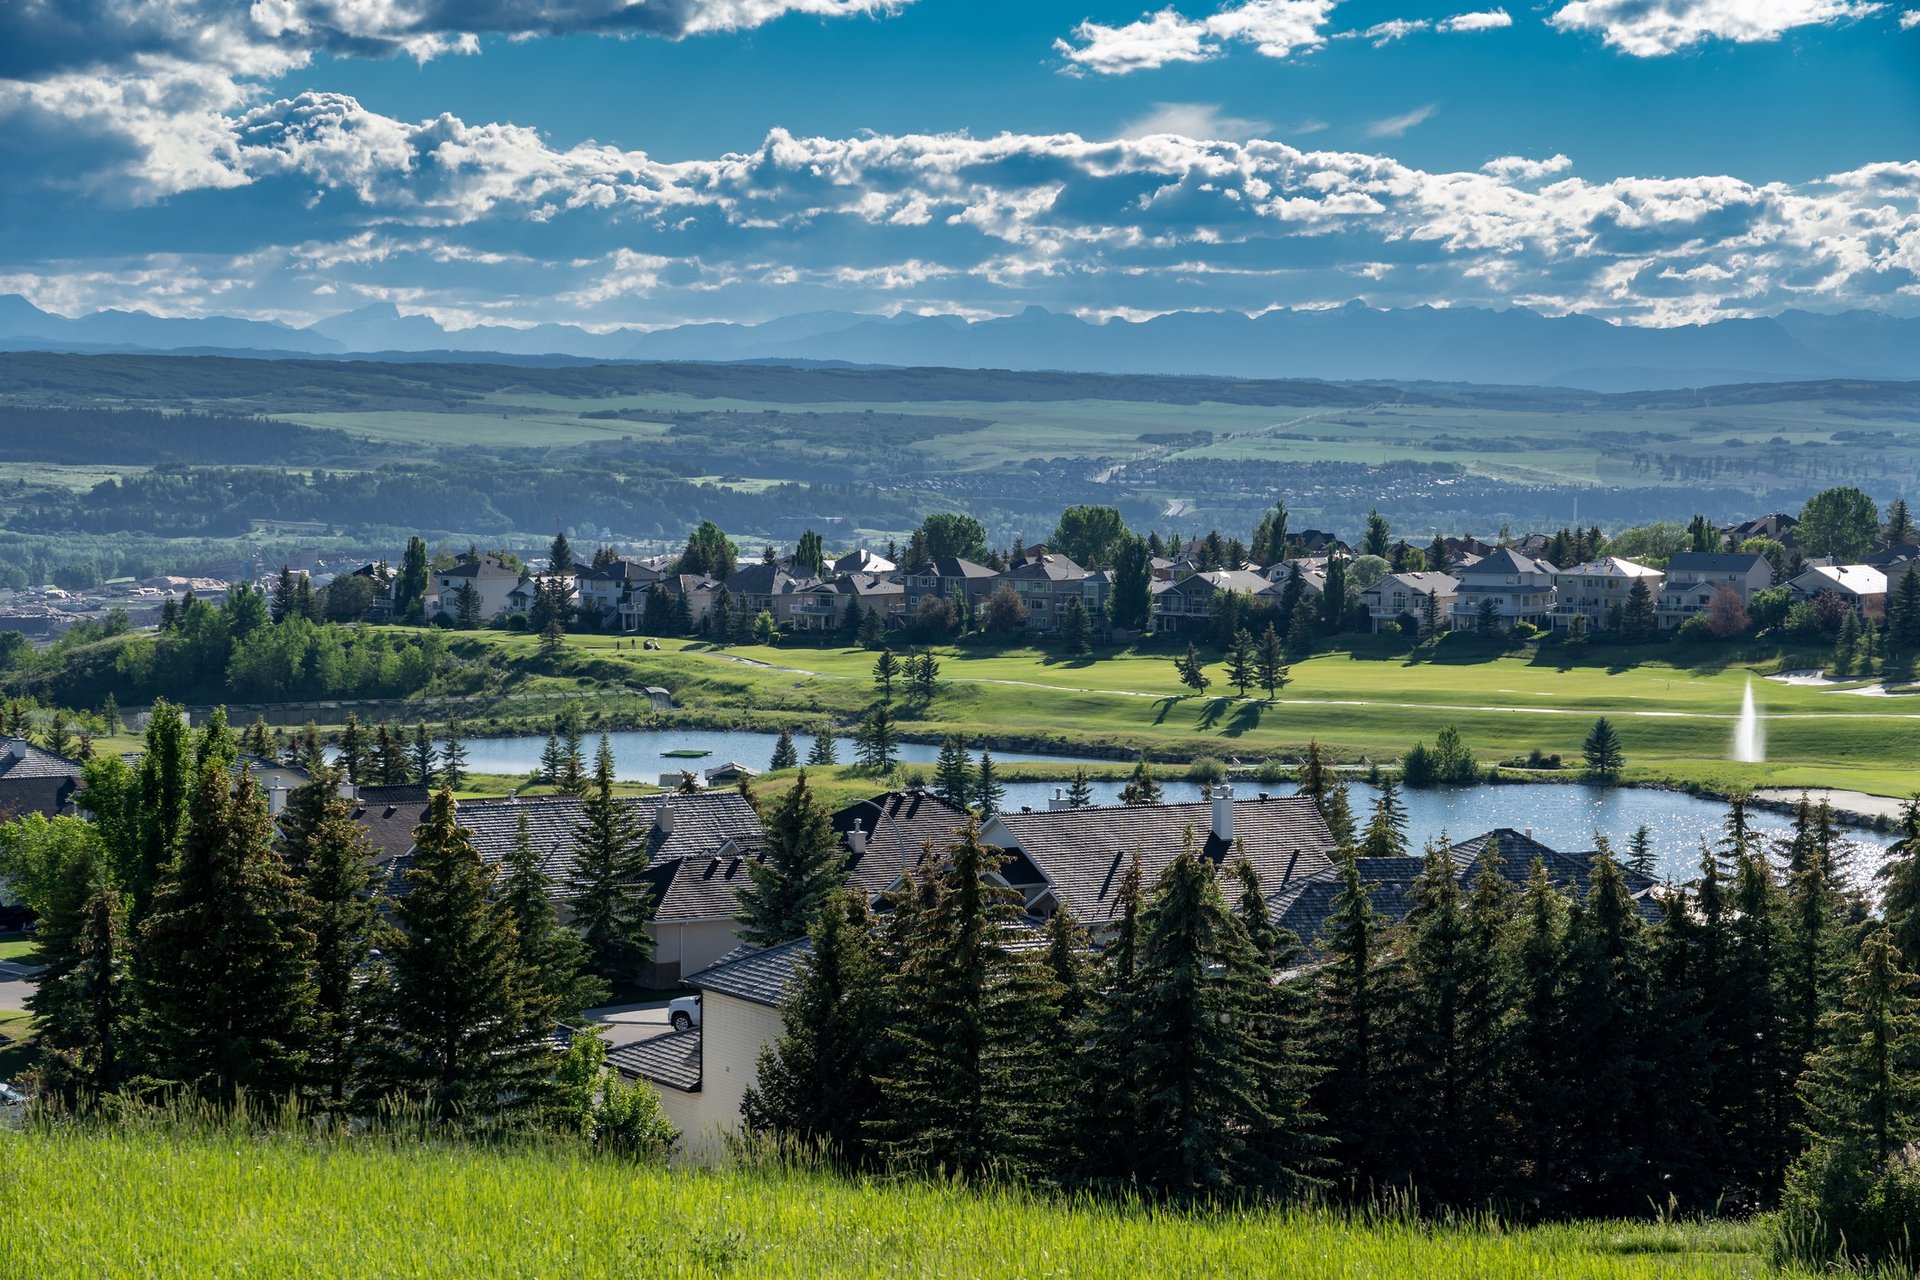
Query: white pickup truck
x=684, y=1012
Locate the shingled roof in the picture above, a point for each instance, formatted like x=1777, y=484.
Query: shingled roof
x=34, y=780
x=1305, y=906
x=672, y=1060
x=697, y=888
x=760, y=977
x=19, y=758
x=1083, y=853
x=389, y=815
x=899, y=826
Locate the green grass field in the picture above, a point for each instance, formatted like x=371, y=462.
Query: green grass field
x=1369, y=703
x=134, y=1202
x=16, y=946
x=16, y=1047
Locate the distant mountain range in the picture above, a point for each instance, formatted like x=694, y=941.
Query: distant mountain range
x=1454, y=344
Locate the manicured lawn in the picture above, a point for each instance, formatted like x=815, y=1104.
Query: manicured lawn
x=1367, y=703
x=16, y=1043
x=17, y=946
x=77, y=1204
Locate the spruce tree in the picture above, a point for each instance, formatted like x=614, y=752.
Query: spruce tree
x=355, y=755
x=610, y=851
x=1338, y=811
x=1386, y=834
x=953, y=773
x=552, y=761
x=967, y=1089
x=823, y=752
x=83, y=997
x=161, y=788
x=1192, y=671
x=335, y=858
x=815, y=1081
x=877, y=743
x=1756, y=1076
x=988, y=791
x=464, y=1037
x=420, y=755
x=1536, y=1064
x=1484, y=996
x=1076, y=629
x=1813, y=939
x=572, y=779
x=1141, y=788
x=1900, y=898
x=453, y=756
x=1242, y=667
x=1080, y=789
x=224, y=959
x=1270, y=662
x=801, y=874
x=1104, y=1103
x=885, y=670
x=785, y=754
x=553, y=957
x=1349, y=1038
x=1602, y=751
x=1640, y=856
x=390, y=752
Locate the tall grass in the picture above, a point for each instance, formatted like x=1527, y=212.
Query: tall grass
x=211, y=1199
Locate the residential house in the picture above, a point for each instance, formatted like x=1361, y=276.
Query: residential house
x=1188, y=604
x=1861, y=586
x=601, y=590
x=35, y=780
x=520, y=599
x=693, y=920
x=1519, y=587
x=389, y=815
x=945, y=579
x=861, y=561
x=1598, y=590
x=769, y=588
x=1693, y=575
x=1402, y=595
x=1778, y=526
x=1079, y=857
x=887, y=835
x=487, y=574
x=1045, y=584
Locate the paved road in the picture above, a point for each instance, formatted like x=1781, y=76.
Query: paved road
x=628, y=1023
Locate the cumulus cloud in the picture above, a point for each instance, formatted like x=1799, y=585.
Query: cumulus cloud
x=1653, y=28
x=1490, y=20
x=1276, y=28
x=1910, y=19
x=467, y=219
x=1202, y=120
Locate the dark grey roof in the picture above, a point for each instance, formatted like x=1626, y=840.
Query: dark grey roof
x=1084, y=853
x=1304, y=907
x=699, y=888
x=899, y=826
x=761, y=977
x=33, y=762
x=1712, y=562
x=484, y=566
x=765, y=579
x=48, y=796
x=389, y=815
x=621, y=570
x=1049, y=567
x=672, y=1060
x=1507, y=560
x=953, y=567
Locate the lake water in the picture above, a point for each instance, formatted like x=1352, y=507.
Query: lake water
x=1564, y=816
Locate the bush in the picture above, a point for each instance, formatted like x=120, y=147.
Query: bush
x=1273, y=772
x=1838, y=1208
x=1524, y=630
x=1207, y=772
x=1697, y=629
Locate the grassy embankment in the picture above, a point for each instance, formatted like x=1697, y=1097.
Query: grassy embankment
x=132, y=1202
x=1368, y=702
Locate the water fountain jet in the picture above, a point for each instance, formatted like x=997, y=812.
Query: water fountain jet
x=1749, y=735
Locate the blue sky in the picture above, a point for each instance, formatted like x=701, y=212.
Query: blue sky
x=654, y=161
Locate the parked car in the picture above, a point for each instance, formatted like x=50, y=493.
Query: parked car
x=12, y=1095
x=684, y=1013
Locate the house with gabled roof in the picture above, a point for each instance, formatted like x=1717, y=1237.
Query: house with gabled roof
x=769, y=588
x=1692, y=577
x=1862, y=587
x=1187, y=604
x=602, y=589
x=946, y=578
x=1519, y=587
x=488, y=574
x=35, y=780
x=887, y=835
x=1404, y=595
x=1045, y=583
x=1598, y=590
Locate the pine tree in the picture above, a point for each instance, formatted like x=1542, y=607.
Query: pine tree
x=1349, y=1037
x=453, y=756
x=1536, y=1066
x=923, y=673
x=1812, y=941
x=573, y=761
x=1638, y=622
x=1484, y=995
x=785, y=754
x=83, y=998
x=223, y=962
x=1076, y=629
x=465, y=1038
x=1900, y=897
x=1105, y=1104
x=1141, y=788
x=390, y=754
x=1080, y=790
x=161, y=787
x=953, y=773
x=1427, y=1004
x=823, y=753
x=1430, y=619
x=282, y=607
x=966, y=1088
x=1192, y=671
x=553, y=761
x=610, y=852
x=988, y=792
x=877, y=743
x=1602, y=751
x=1754, y=1079
x=553, y=957
x=1386, y=835
x=885, y=669
x=815, y=1082
x=335, y=858
x=1242, y=667
x=420, y=755
x=1338, y=812
x=1314, y=775
x=355, y=755
x=1640, y=856
x=1270, y=662
x=873, y=629
x=801, y=874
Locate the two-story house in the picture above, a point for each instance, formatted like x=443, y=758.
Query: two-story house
x=487, y=574
x=769, y=588
x=1188, y=604
x=1403, y=595
x=945, y=579
x=603, y=588
x=1861, y=586
x=1519, y=588
x=1692, y=576
x=1597, y=591
x=1045, y=584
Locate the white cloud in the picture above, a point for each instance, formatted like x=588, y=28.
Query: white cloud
x=1525, y=169
x=1910, y=19
x=1652, y=28
x=1385, y=33
x=1395, y=126
x=1201, y=120
x=1276, y=28
x=1491, y=20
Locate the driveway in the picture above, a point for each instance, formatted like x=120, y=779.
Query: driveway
x=629, y=1023
x=14, y=988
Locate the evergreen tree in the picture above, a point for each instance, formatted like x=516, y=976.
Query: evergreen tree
x=966, y=1089
x=1192, y=671
x=282, y=607
x=1130, y=603
x=1076, y=629
x=1386, y=835
x=876, y=743
x=720, y=617
x=554, y=959
x=1754, y=1074
x=390, y=755
x=988, y=792
x=223, y=962
x=573, y=762
x=1270, y=662
x=823, y=752
x=1338, y=812
x=468, y=607
x=1541, y=1078
x=560, y=557
x=801, y=874
x=1602, y=751
x=335, y=859
x=1900, y=898
x=1439, y=560
x=815, y=1081
x=953, y=773
x=1242, y=669
x=873, y=629
x=356, y=756
x=1355, y=1091
x=453, y=756
x=1333, y=595
x=1483, y=994
x=1105, y=1104
x=420, y=755
x=1430, y=619
x=161, y=787
x=610, y=852
x=553, y=761
x=1379, y=534
x=1640, y=855
x=924, y=675
x=465, y=1033
x=410, y=587
x=1141, y=788
x=885, y=670
x=1428, y=1004
x=1314, y=775
x=83, y=997
x=1813, y=939
x=785, y=754
x=1080, y=790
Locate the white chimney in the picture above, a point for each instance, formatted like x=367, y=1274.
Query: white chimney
x=1059, y=801
x=1223, y=812
x=664, y=819
x=19, y=748
x=857, y=839
x=276, y=798
x=347, y=791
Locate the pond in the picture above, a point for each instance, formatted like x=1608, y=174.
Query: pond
x=1564, y=816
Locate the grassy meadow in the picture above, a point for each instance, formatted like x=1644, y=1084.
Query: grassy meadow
x=1368, y=702
x=134, y=1201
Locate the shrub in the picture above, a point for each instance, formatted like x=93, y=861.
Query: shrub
x=1273, y=772
x=1696, y=629
x=1524, y=630
x=1837, y=1207
x=1207, y=771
